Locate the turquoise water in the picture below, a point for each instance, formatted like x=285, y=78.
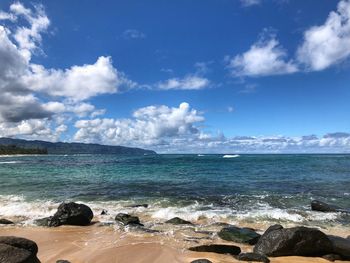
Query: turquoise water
x=250, y=187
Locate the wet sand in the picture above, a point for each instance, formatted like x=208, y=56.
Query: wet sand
x=107, y=245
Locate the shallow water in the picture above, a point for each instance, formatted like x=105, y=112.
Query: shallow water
x=251, y=188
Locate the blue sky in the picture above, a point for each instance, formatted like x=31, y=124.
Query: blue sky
x=178, y=76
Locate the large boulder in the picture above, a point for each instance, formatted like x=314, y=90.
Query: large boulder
x=324, y=207
x=253, y=257
x=296, y=241
x=217, y=248
x=239, y=235
x=178, y=221
x=341, y=246
x=71, y=214
x=18, y=250
x=126, y=219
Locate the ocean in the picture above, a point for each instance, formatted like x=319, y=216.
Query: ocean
x=232, y=188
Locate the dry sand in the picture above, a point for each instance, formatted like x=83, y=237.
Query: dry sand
x=107, y=245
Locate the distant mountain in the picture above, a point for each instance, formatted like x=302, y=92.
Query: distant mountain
x=73, y=148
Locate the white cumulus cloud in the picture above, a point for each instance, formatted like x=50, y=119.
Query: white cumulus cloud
x=78, y=82
x=190, y=82
x=150, y=125
x=266, y=57
x=327, y=44
x=23, y=84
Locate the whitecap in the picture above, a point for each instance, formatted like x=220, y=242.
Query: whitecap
x=230, y=156
x=9, y=162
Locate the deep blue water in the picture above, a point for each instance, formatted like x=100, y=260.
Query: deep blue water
x=243, y=184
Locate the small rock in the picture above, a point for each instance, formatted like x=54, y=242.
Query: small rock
x=104, y=212
x=126, y=219
x=253, y=257
x=62, y=261
x=341, y=246
x=295, y=241
x=323, y=207
x=220, y=249
x=178, y=221
x=202, y=260
x=18, y=250
x=239, y=235
x=332, y=257
x=4, y=221
x=43, y=221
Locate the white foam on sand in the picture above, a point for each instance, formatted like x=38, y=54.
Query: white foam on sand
x=190, y=213
x=267, y=213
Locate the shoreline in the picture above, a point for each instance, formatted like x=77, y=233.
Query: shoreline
x=104, y=244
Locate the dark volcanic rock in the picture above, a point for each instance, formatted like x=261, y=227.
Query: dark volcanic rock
x=341, y=246
x=272, y=228
x=72, y=214
x=178, y=221
x=18, y=250
x=239, y=235
x=104, y=212
x=126, y=219
x=138, y=205
x=202, y=260
x=332, y=257
x=323, y=207
x=220, y=249
x=253, y=257
x=4, y=221
x=296, y=241
x=62, y=261
x=20, y=242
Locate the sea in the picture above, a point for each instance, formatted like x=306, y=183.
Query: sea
x=230, y=188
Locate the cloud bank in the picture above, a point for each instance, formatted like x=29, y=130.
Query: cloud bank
x=180, y=129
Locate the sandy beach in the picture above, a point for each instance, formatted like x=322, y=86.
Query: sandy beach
x=105, y=244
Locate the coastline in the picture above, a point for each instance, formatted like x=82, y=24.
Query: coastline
x=105, y=244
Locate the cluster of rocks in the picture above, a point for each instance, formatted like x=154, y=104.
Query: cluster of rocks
x=275, y=242
x=278, y=241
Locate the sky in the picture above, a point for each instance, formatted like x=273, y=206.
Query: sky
x=201, y=76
